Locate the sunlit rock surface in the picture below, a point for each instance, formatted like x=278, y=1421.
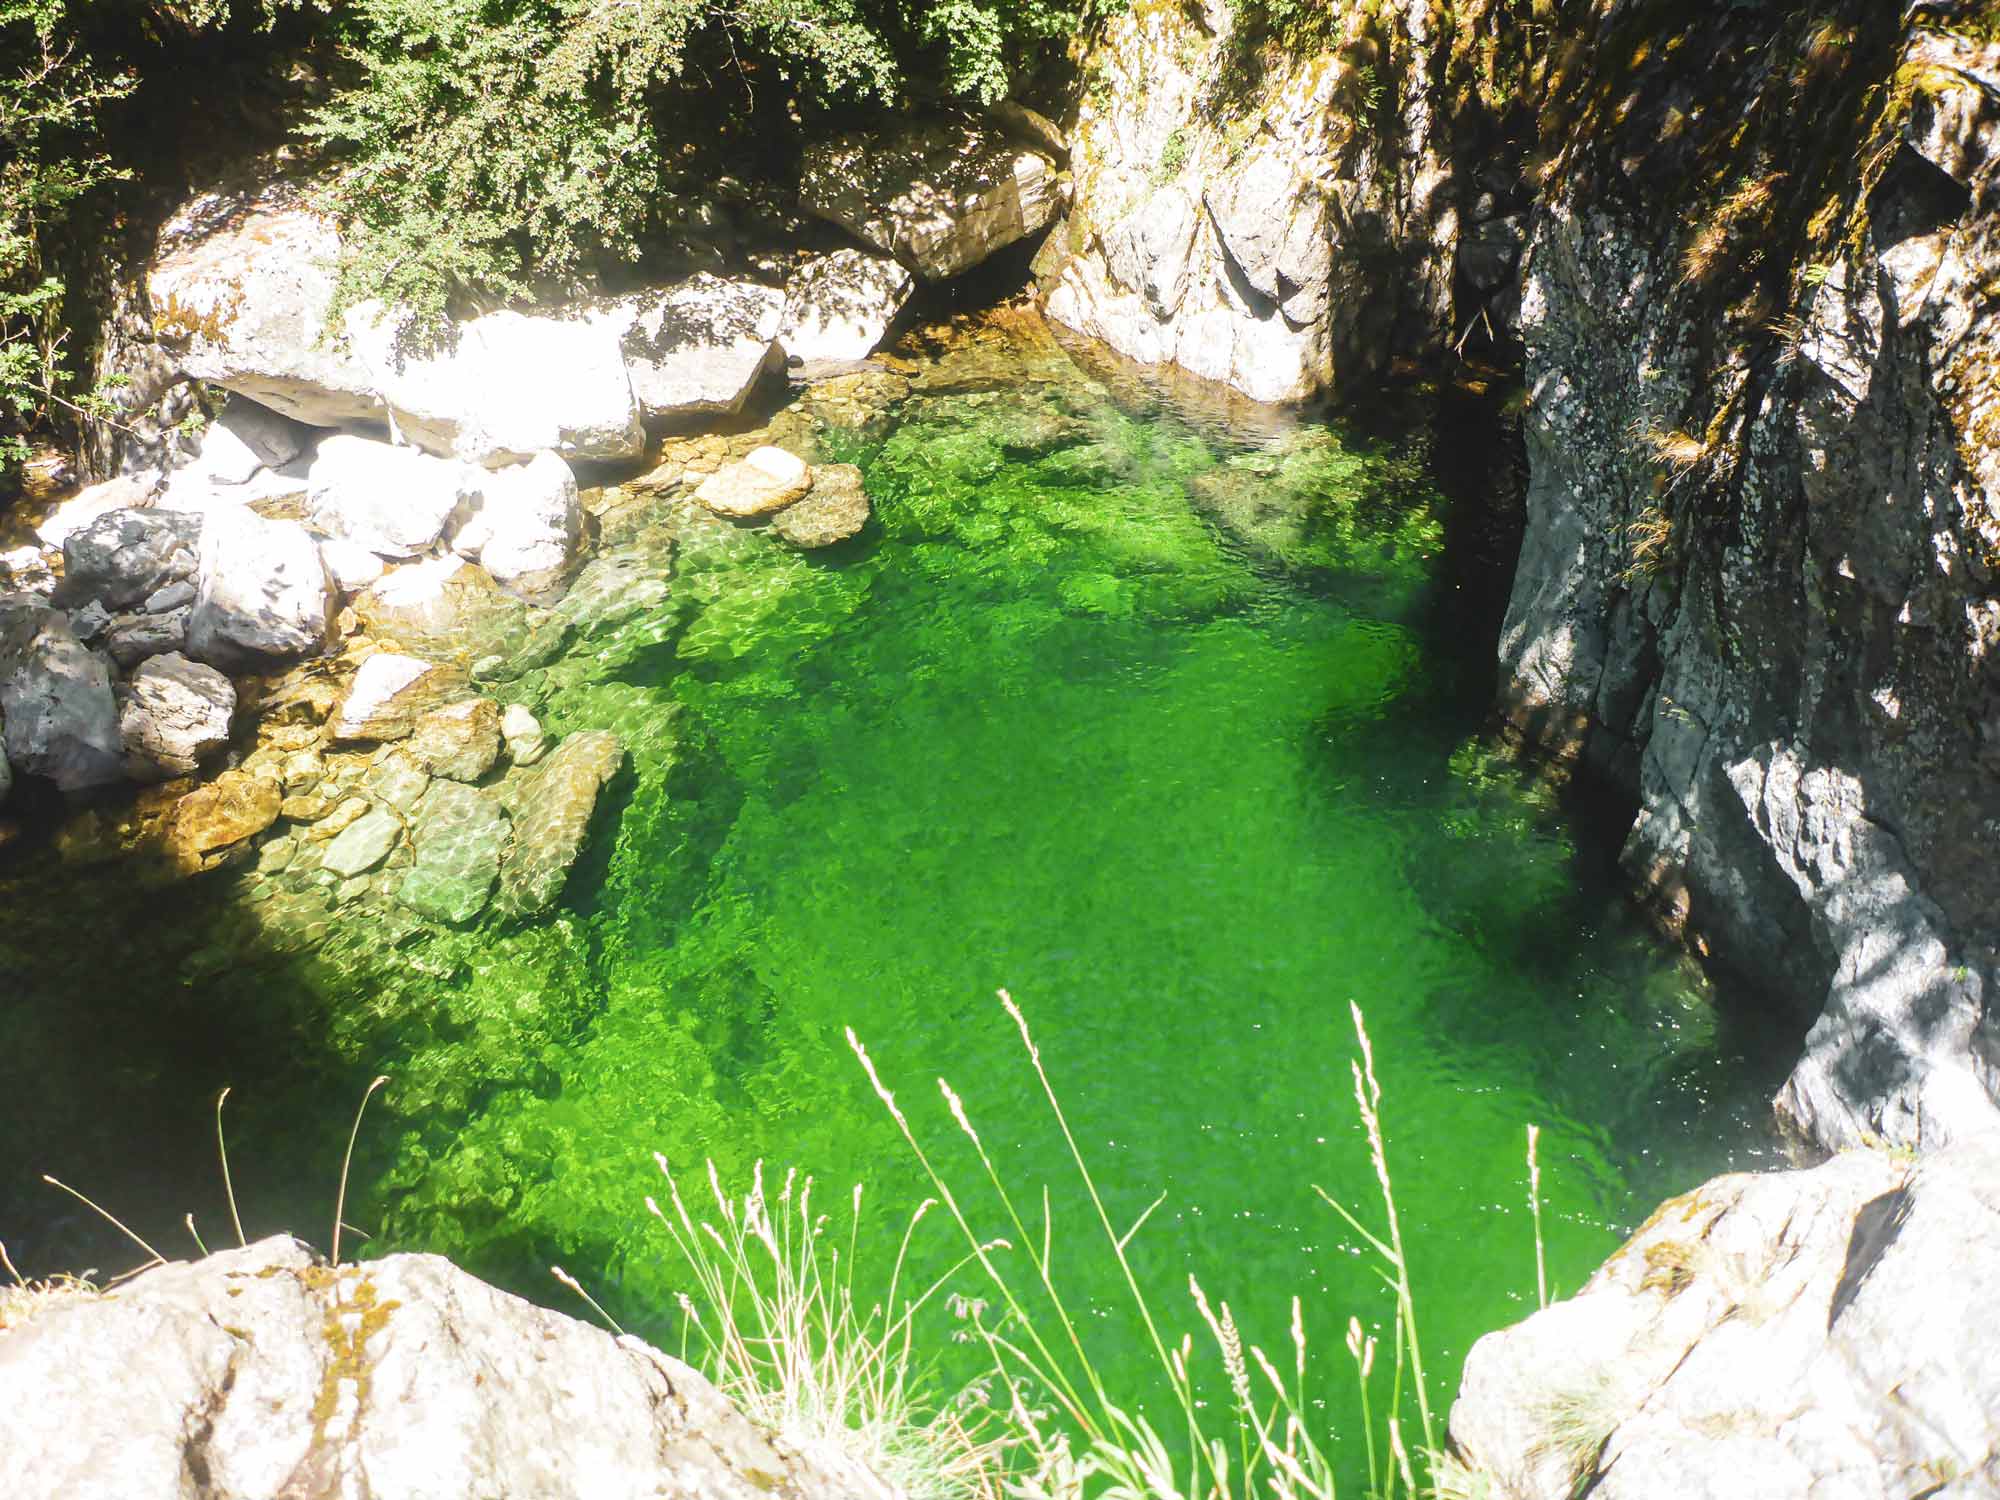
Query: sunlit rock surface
x=262, y=593
x=552, y=817
x=1796, y=1333
x=834, y=510
x=265, y=1372
x=173, y=714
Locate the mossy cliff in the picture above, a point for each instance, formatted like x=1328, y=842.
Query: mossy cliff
x=1743, y=259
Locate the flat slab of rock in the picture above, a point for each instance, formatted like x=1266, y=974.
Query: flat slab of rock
x=58, y=715
x=268, y=1373
x=836, y=509
x=172, y=715
x=222, y=814
x=363, y=844
x=241, y=287
x=459, y=836
x=839, y=306
x=552, y=818
x=262, y=593
x=699, y=345
x=1791, y=1333
x=939, y=195
x=390, y=692
x=766, y=479
x=460, y=741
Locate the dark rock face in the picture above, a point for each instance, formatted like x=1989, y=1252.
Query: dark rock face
x=56, y=700
x=124, y=556
x=1758, y=592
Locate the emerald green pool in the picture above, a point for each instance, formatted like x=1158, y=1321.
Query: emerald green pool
x=1163, y=727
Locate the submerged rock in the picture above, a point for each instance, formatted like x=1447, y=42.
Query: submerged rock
x=449, y=609
x=766, y=479
x=526, y=743
x=939, y=195
x=173, y=714
x=552, y=818
x=836, y=509
x=461, y=741
x=266, y=1372
x=363, y=844
x=459, y=836
x=1795, y=1333
x=389, y=693
x=217, y=817
x=58, y=715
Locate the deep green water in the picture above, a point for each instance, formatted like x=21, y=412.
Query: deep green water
x=1163, y=728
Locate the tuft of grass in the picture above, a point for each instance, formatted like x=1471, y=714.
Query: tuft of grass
x=1649, y=542
x=25, y=1299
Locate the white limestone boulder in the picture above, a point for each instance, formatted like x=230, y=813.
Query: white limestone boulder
x=696, y=347
x=58, y=716
x=352, y=566
x=173, y=714
x=262, y=593
x=244, y=438
x=392, y=500
x=522, y=525
x=241, y=287
x=839, y=306
x=939, y=195
x=126, y=492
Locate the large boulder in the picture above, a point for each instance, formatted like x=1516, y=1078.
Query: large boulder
x=246, y=437
x=172, y=715
x=551, y=819
x=1795, y=1333
x=263, y=593
x=393, y=501
x=126, y=492
x=448, y=609
x=120, y=557
x=56, y=703
x=764, y=480
x=390, y=692
x=460, y=834
x=266, y=1372
x=939, y=195
x=698, y=346
x=523, y=525
x=242, y=292
x=839, y=306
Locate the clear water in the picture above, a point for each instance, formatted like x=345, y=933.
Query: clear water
x=1161, y=726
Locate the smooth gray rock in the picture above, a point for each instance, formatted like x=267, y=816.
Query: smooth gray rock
x=1795, y=1333
x=172, y=715
x=121, y=556
x=262, y=594
x=552, y=818
x=459, y=837
x=265, y=1373
x=939, y=195
x=362, y=844
x=836, y=509
x=57, y=710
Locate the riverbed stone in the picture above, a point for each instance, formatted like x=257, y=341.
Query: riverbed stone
x=766, y=479
x=233, y=807
x=398, y=778
x=131, y=638
x=344, y=814
x=459, y=836
x=460, y=741
x=173, y=714
x=526, y=742
x=352, y=565
x=262, y=593
x=123, y=555
x=618, y=586
x=450, y=610
x=552, y=818
x=56, y=700
x=226, y=1368
x=836, y=509
x=363, y=844
x=390, y=691
x=939, y=195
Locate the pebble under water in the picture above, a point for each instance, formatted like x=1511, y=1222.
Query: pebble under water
x=1160, y=725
